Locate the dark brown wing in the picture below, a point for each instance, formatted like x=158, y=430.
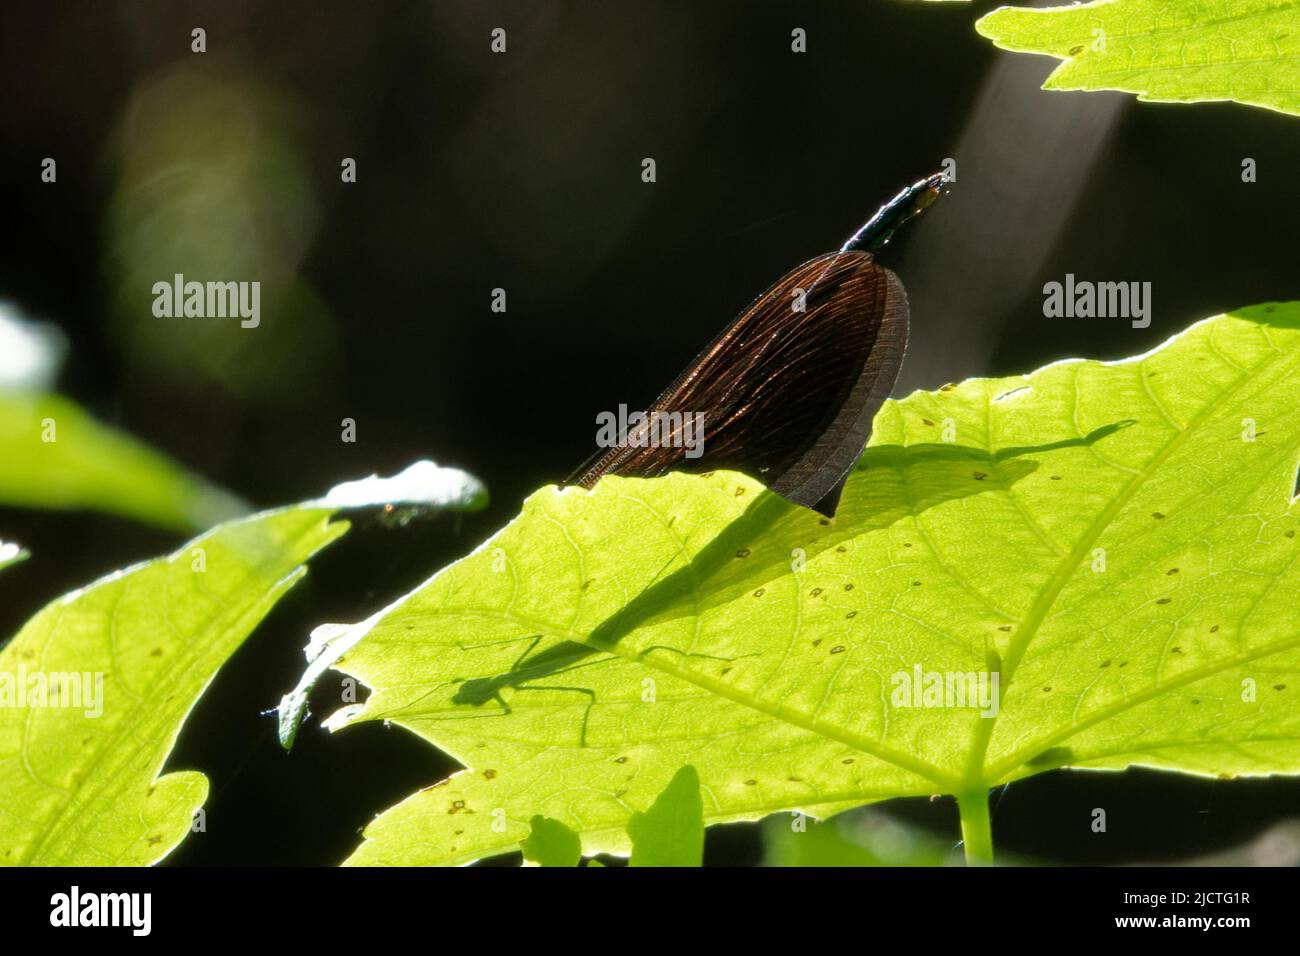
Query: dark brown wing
x=787, y=396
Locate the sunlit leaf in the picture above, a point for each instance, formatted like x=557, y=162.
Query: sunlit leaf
x=95, y=688
x=1113, y=542
x=1175, y=51
x=54, y=455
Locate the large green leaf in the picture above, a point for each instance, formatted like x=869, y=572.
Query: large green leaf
x=1115, y=541
x=1168, y=50
x=54, y=455
x=80, y=785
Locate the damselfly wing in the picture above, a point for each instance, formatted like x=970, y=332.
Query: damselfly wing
x=786, y=394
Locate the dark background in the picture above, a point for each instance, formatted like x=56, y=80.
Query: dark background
x=522, y=171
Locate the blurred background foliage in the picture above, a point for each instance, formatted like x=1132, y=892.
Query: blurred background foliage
x=521, y=171
x=211, y=182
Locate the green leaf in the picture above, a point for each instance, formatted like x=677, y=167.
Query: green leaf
x=671, y=832
x=131, y=654
x=10, y=553
x=79, y=775
x=1174, y=51
x=1115, y=542
x=54, y=455
x=849, y=840
x=551, y=843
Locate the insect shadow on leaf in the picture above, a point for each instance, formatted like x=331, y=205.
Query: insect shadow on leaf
x=562, y=658
x=677, y=592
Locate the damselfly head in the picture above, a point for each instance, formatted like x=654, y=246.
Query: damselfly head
x=911, y=201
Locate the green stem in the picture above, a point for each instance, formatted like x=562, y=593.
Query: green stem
x=976, y=831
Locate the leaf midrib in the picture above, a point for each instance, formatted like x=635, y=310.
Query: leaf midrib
x=1015, y=759
x=1033, y=621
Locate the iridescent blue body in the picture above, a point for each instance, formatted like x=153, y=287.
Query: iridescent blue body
x=909, y=201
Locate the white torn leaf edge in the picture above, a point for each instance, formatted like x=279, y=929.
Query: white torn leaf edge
x=422, y=483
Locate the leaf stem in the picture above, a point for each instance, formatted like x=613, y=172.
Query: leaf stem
x=976, y=830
